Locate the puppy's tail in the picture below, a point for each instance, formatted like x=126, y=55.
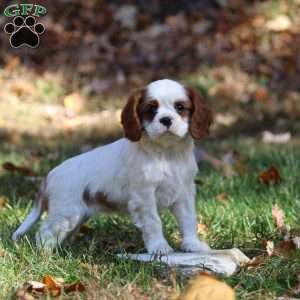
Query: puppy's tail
x=39, y=207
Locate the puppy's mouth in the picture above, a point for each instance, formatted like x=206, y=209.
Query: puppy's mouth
x=169, y=133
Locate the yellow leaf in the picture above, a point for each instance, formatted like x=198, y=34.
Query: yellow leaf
x=206, y=287
x=74, y=103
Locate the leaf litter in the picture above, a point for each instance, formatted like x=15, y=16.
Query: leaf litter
x=48, y=286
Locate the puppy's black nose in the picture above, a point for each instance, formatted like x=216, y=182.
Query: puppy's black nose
x=166, y=121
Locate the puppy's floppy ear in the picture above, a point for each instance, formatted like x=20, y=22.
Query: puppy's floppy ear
x=201, y=118
x=130, y=116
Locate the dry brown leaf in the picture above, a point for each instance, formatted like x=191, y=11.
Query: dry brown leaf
x=2, y=253
x=222, y=197
x=261, y=94
x=270, y=176
x=49, y=285
x=278, y=216
x=205, y=287
x=256, y=261
x=74, y=287
x=25, y=171
x=285, y=248
x=3, y=201
x=52, y=286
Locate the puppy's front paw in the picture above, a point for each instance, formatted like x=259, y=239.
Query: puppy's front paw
x=160, y=248
x=194, y=245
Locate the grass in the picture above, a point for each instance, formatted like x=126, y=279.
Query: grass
x=243, y=220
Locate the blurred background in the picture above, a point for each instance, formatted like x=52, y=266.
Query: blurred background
x=242, y=55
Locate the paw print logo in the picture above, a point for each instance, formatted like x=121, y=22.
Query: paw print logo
x=24, y=32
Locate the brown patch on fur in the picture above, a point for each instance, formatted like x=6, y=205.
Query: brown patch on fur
x=130, y=118
x=201, y=118
x=103, y=201
x=147, y=110
x=187, y=108
x=87, y=197
x=99, y=199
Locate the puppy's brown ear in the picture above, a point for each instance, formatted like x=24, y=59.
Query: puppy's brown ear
x=130, y=116
x=201, y=118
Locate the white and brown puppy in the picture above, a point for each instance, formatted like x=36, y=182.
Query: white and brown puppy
x=153, y=168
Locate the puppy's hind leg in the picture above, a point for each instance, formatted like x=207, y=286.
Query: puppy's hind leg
x=57, y=228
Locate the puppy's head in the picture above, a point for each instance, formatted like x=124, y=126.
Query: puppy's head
x=165, y=108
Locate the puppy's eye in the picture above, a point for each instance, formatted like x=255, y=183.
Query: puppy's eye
x=179, y=107
x=152, y=110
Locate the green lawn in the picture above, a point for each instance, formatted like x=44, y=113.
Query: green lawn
x=243, y=220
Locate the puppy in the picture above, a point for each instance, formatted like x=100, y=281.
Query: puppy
x=151, y=169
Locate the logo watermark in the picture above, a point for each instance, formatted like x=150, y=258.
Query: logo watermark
x=24, y=30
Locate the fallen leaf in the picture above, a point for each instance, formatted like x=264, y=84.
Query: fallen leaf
x=226, y=119
x=256, y=261
x=271, y=138
x=72, y=100
x=25, y=171
x=52, y=286
x=280, y=23
x=205, y=287
x=74, y=104
x=261, y=94
x=270, y=248
x=284, y=247
x=222, y=197
x=278, y=216
x=74, y=287
x=2, y=253
x=3, y=201
x=36, y=286
x=270, y=176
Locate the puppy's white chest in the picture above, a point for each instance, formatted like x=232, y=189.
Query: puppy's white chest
x=172, y=183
